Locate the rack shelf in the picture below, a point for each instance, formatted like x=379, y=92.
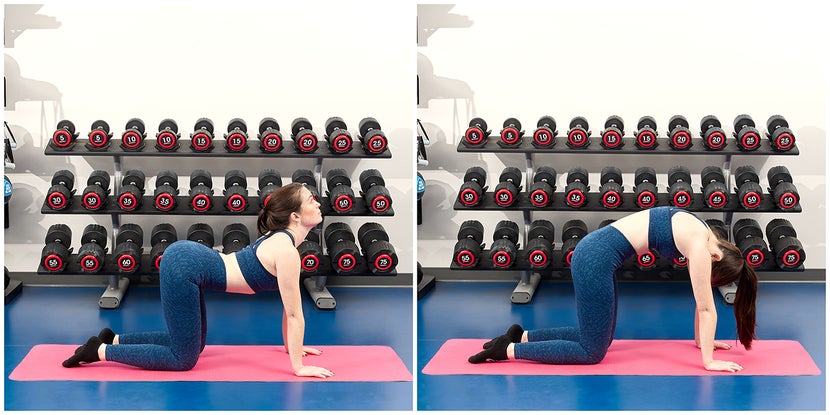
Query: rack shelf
x=217, y=208
x=150, y=150
x=628, y=205
x=315, y=285
x=698, y=149
x=73, y=267
x=530, y=278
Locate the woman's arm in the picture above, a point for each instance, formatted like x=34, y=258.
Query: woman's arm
x=293, y=327
x=706, y=317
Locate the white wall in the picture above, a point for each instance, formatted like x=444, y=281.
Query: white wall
x=598, y=58
x=185, y=60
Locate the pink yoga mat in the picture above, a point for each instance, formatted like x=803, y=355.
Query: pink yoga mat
x=224, y=364
x=636, y=357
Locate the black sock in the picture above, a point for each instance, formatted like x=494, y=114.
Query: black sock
x=514, y=333
x=497, y=351
x=106, y=335
x=87, y=353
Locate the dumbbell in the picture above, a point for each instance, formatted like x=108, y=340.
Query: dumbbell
x=167, y=189
x=717, y=226
x=128, y=247
x=201, y=190
x=201, y=233
x=646, y=134
x=782, y=188
x=305, y=140
x=132, y=138
x=748, y=187
x=59, y=196
x=539, y=249
x=343, y=251
x=715, y=192
x=132, y=190
x=201, y=139
x=307, y=177
x=680, y=137
x=340, y=192
x=236, y=139
x=749, y=239
x=578, y=133
x=787, y=249
x=510, y=184
x=477, y=133
x=680, y=186
x=746, y=134
x=467, y=251
x=605, y=222
x=611, y=189
x=545, y=134
x=235, y=237
x=374, y=191
x=572, y=232
x=714, y=138
x=779, y=133
x=541, y=191
x=96, y=191
x=645, y=187
x=647, y=260
x=474, y=187
x=55, y=253
x=269, y=180
x=236, y=191
x=161, y=237
x=270, y=137
x=612, y=135
x=99, y=135
x=371, y=136
x=64, y=137
x=374, y=243
x=337, y=136
x=167, y=136
x=311, y=253
x=576, y=191
x=505, y=246
x=93, y=247
x=511, y=133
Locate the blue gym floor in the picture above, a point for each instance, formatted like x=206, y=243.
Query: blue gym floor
x=646, y=311
x=67, y=315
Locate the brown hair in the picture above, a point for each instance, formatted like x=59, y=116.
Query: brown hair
x=733, y=267
x=280, y=204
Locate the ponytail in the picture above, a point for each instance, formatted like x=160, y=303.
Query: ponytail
x=744, y=305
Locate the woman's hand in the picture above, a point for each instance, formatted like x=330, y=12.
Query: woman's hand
x=310, y=350
x=718, y=345
x=313, y=371
x=723, y=366
x=307, y=351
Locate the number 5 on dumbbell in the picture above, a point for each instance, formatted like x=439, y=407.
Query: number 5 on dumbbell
x=477, y=133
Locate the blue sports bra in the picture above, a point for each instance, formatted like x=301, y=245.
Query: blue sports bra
x=660, y=235
x=255, y=274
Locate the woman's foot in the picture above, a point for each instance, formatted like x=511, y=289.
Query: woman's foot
x=514, y=333
x=106, y=335
x=496, y=351
x=87, y=353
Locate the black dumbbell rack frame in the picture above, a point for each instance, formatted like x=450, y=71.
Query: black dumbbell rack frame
x=118, y=283
x=529, y=278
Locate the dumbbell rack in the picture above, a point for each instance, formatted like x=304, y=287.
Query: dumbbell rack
x=117, y=284
x=529, y=280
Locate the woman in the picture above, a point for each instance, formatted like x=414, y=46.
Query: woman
x=672, y=232
x=270, y=263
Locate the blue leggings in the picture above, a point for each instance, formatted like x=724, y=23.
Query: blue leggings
x=186, y=268
x=593, y=269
